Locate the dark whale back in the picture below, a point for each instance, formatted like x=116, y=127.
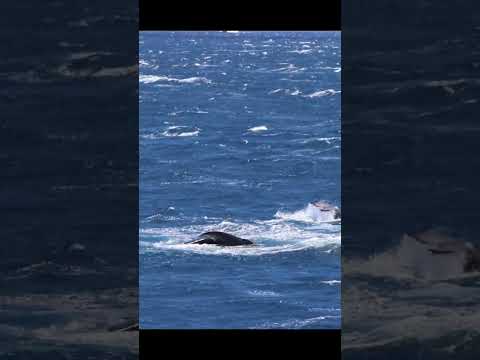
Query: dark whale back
x=221, y=239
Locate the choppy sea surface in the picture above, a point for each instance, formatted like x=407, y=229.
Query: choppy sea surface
x=239, y=132
x=410, y=92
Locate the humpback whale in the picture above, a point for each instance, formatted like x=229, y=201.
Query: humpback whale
x=438, y=242
x=326, y=207
x=220, y=238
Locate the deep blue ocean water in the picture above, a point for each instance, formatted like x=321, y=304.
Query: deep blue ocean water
x=239, y=132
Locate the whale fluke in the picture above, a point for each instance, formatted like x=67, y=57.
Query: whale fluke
x=220, y=238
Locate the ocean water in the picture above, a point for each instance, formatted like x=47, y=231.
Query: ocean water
x=413, y=97
x=239, y=132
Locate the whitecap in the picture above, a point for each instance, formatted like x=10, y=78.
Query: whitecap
x=309, y=214
x=320, y=93
x=285, y=91
x=289, y=69
x=275, y=91
x=192, y=80
x=172, y=131
x=327, y=140
x=179, y=133
x=298, y=323
x=271, y=237
x=148, y=79
x=258, y=128
x=263, y=293
x=303, y=51
x=331, y=282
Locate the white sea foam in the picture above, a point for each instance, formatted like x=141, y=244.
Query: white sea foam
x=192, y=133
x=181, y=131
x=204, y=65
x=297, y=323
x=309, y=214
x=148, y=79
x=294, y=92
x=275, y=91
x=327, y=140
x=270, y=237
x=191, y=80
x=321, y=93
x=258, y=128
x=331, y=282
x=334, y=68
x=172, y=131
x=263, y=293
x=303, y=51
x=233, y=251
x=290, y=68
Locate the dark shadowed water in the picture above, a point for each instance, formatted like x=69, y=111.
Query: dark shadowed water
x=239, y=132
x=409, y=135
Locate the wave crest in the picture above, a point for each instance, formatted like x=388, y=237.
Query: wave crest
x=150, y=79
x=270, y=237
x=309, y=214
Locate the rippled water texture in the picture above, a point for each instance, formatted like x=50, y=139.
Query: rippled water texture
x=239, y=132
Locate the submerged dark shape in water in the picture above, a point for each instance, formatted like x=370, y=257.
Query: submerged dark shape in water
x=220, y=238
x=439, y=242
x=326, y=207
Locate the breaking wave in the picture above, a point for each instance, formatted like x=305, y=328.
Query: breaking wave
x=286, y=233
x=321, y=93
x=309, y=214
x=150, y=79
